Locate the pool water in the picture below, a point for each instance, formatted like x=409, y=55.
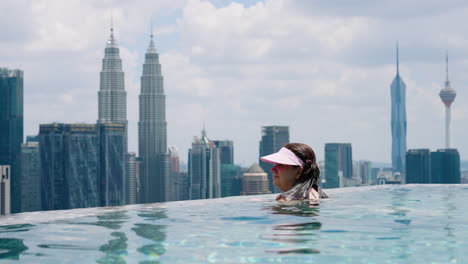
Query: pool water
x=376, y=224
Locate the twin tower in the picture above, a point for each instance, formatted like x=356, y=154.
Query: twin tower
x=152, y=125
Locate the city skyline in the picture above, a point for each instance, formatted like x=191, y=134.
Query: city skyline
x=330, y=77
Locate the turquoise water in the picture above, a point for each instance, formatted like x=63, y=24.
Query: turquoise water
x=377, y=224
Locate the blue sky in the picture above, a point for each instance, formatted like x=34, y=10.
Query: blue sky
x=322, y=67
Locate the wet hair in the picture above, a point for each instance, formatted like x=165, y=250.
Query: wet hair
x=309, y=177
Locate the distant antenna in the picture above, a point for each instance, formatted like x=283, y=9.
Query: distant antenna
x=397, y=59
x=151, y=24
x=446, y=64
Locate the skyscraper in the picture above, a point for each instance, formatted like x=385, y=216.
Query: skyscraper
x=112, y=139
x=226, y=151
x=152, y=132
x=447, y=95
x=273, y=139
x=69, y=156
x=5, y=189
x=204, y=169
x=398, y=120
x=112, y=118
x=445, y=166
x=132, y=179
x=11, y=129
x=338, y=164
x=112, y=98
x=418, y=166
x=30, y=177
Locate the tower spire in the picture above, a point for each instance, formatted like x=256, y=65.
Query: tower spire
x=111, y=41
x=446, y=66
x=151, y=47
x=397, y=60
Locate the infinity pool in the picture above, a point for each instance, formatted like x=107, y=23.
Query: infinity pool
x=378, y=224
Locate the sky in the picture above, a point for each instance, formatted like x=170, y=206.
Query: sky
x=323, y=68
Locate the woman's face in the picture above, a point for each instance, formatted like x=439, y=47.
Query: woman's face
x=285, y=176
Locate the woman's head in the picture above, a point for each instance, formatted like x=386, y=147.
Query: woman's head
x=310, y=169
x=295, y=163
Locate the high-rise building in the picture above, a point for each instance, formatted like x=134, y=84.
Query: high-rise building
x=11, y=129
x=418, y=166
x=398, y=120
x=273, y=139
x=365, y=172
x=445, y=166
x=338, y=164
x=30, y=177
x=228, y=170
x=229, y=173
x=204, y=169
x=226, y=151
x=112, y=117
x=178, y=182
x=255, y=181
x=112, y=138
x=132, y=179
x=69, y=156
x=447, y=95
x=112, y=98
x=5, y=189
x=152, y=132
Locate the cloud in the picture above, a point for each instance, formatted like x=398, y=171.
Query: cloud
x=320, y=67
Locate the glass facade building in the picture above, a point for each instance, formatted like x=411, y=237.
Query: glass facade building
x=11, y=129
x=398, y=121
x=69, y=166
x=204, y=169
x=229, y=173
x=273, y=139
x=5, y=189
x=445, y=166
x=226, y=151
x=418, y=166
x=338, y=164
x=112, y=127
x=152, y=132
x=132, y=179
x=112, y=163
x=30, y=177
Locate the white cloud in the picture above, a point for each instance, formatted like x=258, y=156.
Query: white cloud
x=322, y=68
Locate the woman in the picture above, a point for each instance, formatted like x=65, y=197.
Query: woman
x=296, y=173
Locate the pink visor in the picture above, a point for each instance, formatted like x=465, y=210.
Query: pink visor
x=283, y=156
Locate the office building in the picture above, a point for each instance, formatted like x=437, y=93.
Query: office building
x=418, y=166
x=365, y=172
x=132, y=179
x=112, y=116
x=273, y=139
x=447, y=95
x=69, y=155
x=5, y=189
x=229, y=173
x=398, y=120
x=204, y=169
x=30, y=177
x=338, y=164
x=445, y=166
x=152, y=132
x=255, y=181
x=11, y=129
x=112, y=98
x=112, y=163
x=226, y=151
